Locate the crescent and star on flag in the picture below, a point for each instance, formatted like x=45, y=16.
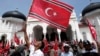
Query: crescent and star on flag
x=47, y=10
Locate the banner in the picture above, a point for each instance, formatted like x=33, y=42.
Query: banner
x=16, y=39
x=52, y=12
x=92, y=30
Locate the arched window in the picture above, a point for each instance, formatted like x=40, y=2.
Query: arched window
x=52, y=33
x=38, y=32
x=67, y=34
x=63, y=36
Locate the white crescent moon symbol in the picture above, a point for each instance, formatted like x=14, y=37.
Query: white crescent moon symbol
x=46, y=12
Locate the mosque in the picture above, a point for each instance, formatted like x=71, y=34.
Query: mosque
x=35, y=28
x=92, y=13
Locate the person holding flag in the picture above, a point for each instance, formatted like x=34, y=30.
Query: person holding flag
x=35, y=47
x=52, y=12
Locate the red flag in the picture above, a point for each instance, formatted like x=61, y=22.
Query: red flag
x=45, y=41
x=56, y=44
x=45, y=50
x=16, y=39
x=52, y=12
x=56, y=47
x=1, y=49
x=92, y=30
x=8, y=45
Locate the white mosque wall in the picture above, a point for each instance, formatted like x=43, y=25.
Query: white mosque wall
x=9, y=29
x=31, y=25
x=4, y=29
x=94, y=18
x=33, y=22
x=73, y=22
x=75, y=27
x=86, y=34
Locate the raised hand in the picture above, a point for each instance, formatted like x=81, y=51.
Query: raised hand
x=23, y=28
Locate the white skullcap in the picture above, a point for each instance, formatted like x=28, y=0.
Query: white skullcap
x=66, y=45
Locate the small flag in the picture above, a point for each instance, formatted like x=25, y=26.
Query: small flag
x=56, y=47
x=16, y=39
x=45, y=50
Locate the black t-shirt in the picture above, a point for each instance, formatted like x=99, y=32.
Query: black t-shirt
x=19, y=51
x=16, y=54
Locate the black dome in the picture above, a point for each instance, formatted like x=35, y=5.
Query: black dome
x=91, y=7
x=15, y=14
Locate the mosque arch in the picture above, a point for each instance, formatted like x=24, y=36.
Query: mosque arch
x=38, y=32
x=67, y=34
x=51, y=33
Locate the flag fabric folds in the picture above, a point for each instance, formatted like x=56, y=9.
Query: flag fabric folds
x=56, y=47
x=45, y=41
x=92, y=30
x=45, y=50
x=4, y=51
x=56, y=44
x=52, y=12
x=16, y=39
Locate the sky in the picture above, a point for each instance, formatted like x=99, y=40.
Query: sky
x=24, y=5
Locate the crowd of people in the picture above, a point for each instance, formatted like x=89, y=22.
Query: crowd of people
x=45, y=48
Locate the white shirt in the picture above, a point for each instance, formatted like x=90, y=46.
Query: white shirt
x=35, y=53
x=67, y=54
x=93, y=50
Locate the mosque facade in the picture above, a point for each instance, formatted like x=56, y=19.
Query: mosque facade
x=92, y=13
x=36, y=28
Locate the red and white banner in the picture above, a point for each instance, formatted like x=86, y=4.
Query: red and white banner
x=52, y=12
x=45, y=50
x=16, y=39
x=92, y=30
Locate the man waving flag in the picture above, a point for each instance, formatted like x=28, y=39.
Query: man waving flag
x=52, y=12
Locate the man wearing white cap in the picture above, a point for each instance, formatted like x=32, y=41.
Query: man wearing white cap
x=66, y=52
